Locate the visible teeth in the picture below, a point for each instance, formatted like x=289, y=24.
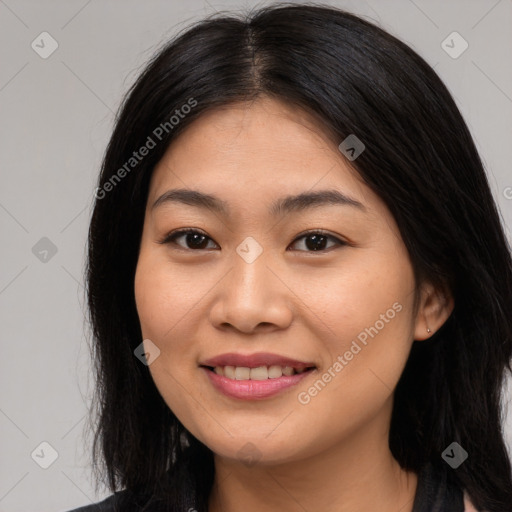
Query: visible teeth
x=275, y=372
x=229, y=372
x=242, y=372
x=259, y=373
x=288, y=370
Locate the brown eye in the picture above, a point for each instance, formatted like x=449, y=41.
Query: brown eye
x=193, y=239
x=316, y=241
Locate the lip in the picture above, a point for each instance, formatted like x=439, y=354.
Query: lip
x=253, y=389
x=255, y=360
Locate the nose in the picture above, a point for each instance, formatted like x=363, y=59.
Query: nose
x=252, y=298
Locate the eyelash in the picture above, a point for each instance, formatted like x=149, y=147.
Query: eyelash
x=170, y=238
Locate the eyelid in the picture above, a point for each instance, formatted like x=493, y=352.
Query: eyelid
x=168, y=238
x=180, y=232
x=322, y=232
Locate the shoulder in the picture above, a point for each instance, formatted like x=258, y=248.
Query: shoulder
x=123, y=500
x=110, y=504
x=106, y=505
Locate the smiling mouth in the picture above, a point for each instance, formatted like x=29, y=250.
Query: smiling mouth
x=257, y=373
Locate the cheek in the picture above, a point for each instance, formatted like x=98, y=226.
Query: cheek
x=365, y=297
x=163, y=303
x=161, y=318
x=164, y=296
x=366, y=316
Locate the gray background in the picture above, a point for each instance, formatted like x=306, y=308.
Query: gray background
x=57, y=114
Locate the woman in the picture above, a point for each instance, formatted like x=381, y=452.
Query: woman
x=298, y=282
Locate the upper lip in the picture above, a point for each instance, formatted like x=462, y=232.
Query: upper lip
x=255, y=360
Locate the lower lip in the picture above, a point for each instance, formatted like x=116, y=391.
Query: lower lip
x=253, y=389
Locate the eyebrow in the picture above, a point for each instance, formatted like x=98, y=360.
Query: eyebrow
x=283, y=205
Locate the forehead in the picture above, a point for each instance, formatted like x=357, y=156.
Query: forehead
x=257, y=143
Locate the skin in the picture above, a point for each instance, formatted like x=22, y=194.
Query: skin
x=332, y=453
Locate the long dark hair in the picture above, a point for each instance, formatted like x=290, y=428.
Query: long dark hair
x=419, y=158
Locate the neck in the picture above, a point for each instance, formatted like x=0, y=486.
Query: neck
x=358, y=473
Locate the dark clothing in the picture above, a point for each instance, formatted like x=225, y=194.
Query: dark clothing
x=432, y=495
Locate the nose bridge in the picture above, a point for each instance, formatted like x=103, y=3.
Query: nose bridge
x=251, y=295
x=250, y=271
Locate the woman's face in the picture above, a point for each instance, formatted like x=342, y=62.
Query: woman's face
x=252, y=283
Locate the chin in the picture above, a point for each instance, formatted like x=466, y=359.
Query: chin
x=254, y=450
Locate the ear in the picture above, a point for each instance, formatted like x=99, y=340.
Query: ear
x=435, y=307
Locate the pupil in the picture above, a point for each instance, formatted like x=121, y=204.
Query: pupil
x=197, y=240
x=316, y=245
